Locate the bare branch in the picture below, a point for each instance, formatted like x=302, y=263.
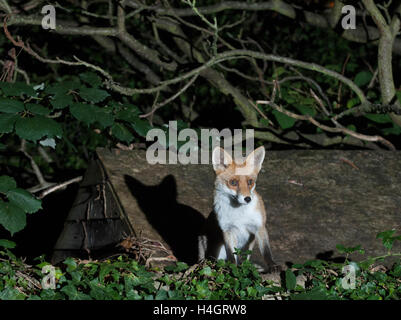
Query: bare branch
x=42, y=182
x=5, y=6
x=142, y=50
x=173, y=97
x=59, y=186
x=279, y=6
x=354, y=134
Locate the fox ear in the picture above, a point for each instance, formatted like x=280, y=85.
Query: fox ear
x=255, y=158
x=220, y=159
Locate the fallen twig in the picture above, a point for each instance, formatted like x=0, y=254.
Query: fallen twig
x=349, y=162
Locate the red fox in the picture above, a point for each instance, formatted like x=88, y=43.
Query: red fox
x=238, y=218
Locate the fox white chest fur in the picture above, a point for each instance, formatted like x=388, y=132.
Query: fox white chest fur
x=242, y=221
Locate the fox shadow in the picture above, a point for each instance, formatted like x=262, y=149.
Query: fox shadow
x=178, y=224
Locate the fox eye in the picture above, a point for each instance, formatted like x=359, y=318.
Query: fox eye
x=250, y=182
x=233, y=182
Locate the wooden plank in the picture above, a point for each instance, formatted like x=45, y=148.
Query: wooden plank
x=315, y=200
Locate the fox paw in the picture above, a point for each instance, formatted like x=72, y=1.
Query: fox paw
x=275, y=268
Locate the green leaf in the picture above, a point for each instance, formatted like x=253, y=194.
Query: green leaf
x=119, y=131
x=12, y=217
x=93, y=94
x=398, y=94
x=395, y=130
x=161, y=295
x=264, y=122
x=342, y=249
x=24, y=200
x=130, y=114
x=91, y=78
x=141, y=127
x=352, y=102
x=104, y=117
x=385, y=234
x=278, y=72
x=362, y=78
x=7, y=122
x=11, y=294
x=283, y=120
x=7, y=183
x=366, y=263
x=17, y=89
x=63, y=87
x=89, y=114
x=178, y=267
x=387, y=238
x=314, y=294
x=206, y=271
x=306, y=110
x=37, y=109
x=37, y=127
x=379, y=118
x=7, y=244
x=83, y=112
x=290, y=280
x=61, y=100
x=11, y=106
x=71, y=264
x=73, y=294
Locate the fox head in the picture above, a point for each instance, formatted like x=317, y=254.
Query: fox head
x=237, y=180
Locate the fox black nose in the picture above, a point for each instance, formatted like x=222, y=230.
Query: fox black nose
x=248, y=199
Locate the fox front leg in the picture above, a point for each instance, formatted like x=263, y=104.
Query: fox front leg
x=248, y=247
x=230, y=243
x=251, y=244
x=264, y=246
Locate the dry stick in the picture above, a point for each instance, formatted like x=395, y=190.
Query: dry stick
x=321, y=104
x=260, y=112
x=5, y=6
x=327, y=128
x=42, y=182
x=153, y=105
x=161, y=104
x=18, y=70
x=318, y=87
x=342, y=72
x=373, y=80
x=59, y=186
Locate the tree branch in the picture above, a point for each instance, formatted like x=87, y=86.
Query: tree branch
x=387, y=36
x=173, y=97
x=343, y=130
x=279, y=6
x=59, y=186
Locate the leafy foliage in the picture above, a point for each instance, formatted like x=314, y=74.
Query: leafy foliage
x=122, y=278
x=19, y=202
x=47, y=115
